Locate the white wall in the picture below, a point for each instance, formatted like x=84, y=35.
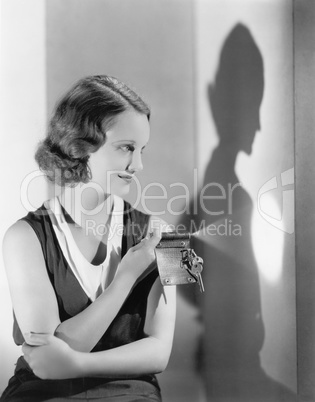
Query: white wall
x=269, y=247
x=23, y=110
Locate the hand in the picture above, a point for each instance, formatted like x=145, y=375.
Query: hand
x=50, y=357
x=139, y=260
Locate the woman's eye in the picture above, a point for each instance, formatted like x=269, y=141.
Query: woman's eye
x=126, y=148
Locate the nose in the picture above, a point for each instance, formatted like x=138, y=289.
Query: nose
x=135, y=164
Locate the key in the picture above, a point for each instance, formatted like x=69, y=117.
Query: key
x=196, y=270
x=200, y=282
x=193, y=264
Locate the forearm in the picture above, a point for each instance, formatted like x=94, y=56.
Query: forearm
x=146, y=356
x=51, y=358
x=83, y=331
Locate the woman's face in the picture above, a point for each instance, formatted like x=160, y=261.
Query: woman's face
x=115, y=164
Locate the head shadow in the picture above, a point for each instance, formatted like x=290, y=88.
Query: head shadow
x=236, y=94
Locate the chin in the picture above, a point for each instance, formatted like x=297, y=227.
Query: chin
x=248, y=150
x=121, y=191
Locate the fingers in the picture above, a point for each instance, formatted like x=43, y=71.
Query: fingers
x=155, y=238
x=139, y=245
x=152, y=239
x=37, y=339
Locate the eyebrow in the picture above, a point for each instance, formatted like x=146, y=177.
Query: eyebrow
x=124, y=141
x=127, y=141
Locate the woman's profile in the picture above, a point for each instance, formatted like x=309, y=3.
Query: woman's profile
x=89, y=308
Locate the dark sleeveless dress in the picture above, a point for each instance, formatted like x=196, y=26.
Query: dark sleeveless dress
x=127, y=326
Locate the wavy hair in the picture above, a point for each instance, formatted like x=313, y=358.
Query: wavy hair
x=79, y=124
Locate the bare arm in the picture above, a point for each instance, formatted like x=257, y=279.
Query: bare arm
x=34, y=299
x=148, y=355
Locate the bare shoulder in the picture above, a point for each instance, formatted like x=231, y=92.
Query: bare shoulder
x=19, y=242
x=20, y=232
x=18, y=228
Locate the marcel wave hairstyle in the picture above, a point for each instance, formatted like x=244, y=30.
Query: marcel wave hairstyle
x=79, y=124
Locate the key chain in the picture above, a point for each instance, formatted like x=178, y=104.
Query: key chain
x=177, y=262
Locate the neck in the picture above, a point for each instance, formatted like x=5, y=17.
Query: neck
x=83, y=203
x=228, y=153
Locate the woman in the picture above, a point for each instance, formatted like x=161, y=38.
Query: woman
x=81, y=269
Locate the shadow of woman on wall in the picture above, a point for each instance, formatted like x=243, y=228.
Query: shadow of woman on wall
x=230, y=308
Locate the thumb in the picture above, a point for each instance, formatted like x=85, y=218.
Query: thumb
x=139, y=245
x=37, y=339
x=152, y=239
x=155, y=238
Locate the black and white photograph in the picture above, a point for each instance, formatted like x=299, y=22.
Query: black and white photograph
x=157, y=201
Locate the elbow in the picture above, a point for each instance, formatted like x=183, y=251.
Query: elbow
x=158, y=354
x=161, y=367
x=161, y=361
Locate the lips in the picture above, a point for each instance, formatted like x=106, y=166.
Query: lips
x=126, y=177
